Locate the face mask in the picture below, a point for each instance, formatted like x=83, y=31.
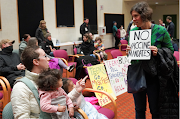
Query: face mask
x=8, y=49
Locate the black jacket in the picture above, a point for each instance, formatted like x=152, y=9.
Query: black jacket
x=46, y=46
x=170, y=29
x=87, y=47
x=39, y=35
x=87, y=59
x=8, y=66
x=84, y=29
x=165, y=66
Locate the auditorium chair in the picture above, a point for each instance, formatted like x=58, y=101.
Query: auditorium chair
x=62, y=54
x=116, y=53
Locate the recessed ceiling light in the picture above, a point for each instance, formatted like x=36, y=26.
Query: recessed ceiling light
x=156, y=2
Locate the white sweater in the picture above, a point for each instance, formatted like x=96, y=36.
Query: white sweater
x=24, y=103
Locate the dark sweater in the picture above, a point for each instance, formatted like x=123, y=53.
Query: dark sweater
x=87, y=47
x=8, y=66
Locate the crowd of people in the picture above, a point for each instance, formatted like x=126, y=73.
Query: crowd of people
x=60, y=97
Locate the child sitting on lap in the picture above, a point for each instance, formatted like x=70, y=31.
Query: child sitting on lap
x=100, y=48
x=53, y=99
x=74, y=92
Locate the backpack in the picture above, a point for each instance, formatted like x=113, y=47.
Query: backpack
x=118, y=34
x=8, y=112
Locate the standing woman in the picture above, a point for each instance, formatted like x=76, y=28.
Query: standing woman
x=114, y=29
x=41, y=32
x=142, y=15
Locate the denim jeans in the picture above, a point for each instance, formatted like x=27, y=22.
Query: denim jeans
x=152, y=93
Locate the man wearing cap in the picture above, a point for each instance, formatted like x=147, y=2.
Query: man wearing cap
x=10, y=64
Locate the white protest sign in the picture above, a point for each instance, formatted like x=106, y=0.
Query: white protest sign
x=117, y=74
x=140, y=40
x=124, y=60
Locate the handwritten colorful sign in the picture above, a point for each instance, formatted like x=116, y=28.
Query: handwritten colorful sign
x=140, y=40
x=100, y=81
x=117, y=74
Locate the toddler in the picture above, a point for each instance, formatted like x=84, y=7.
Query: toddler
x=100, y=48
x=53, y=99
x=74, y=92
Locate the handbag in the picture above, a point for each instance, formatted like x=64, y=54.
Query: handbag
x=136, y=78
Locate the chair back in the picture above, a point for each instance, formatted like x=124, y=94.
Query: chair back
x=60, y=54
x=123, y=47
x=75, y=51
x=176, y=55
x=116, y=53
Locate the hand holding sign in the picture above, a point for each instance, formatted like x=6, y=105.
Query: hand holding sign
x=154, y=50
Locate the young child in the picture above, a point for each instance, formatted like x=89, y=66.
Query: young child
x=53, y=99
x=100, y=48
x=74, y=92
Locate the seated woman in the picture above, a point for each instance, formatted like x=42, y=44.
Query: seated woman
x=87, y=47
x=49, y=47
x=34, y=42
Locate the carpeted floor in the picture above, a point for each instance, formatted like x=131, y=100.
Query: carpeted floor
x=125, y=102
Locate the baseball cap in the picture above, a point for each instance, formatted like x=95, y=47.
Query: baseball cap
x=4, y=41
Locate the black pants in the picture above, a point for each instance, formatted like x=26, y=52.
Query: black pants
x=117, y=43
x=152, y=92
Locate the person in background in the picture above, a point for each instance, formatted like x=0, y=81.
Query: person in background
x=114, y=30
x=161, y=23
x=10, y=63
x=170, y=27
x=84, y=28
x=98, y=44
x=41, y=32
x=142, y=15
x=75, y=94
x=34, y=42
x=130, y=26
x=91, y=36
x=23, y=43
x=87, y=47
x=49, y=47
x=175, y=46
x=53, y=99
x=152, y=21
x=123, y=33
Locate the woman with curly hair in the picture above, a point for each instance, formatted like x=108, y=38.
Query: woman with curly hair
x=142, y=16
x=53, y=99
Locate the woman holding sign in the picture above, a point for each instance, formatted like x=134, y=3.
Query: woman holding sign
x=142, y=15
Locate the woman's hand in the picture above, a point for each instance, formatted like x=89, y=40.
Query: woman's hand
x=154, y=50
x=128, y=49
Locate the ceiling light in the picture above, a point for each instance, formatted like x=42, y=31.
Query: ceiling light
x=156, y=2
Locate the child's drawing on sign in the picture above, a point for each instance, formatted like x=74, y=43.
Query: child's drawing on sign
x=140, y=40
x=99, y=81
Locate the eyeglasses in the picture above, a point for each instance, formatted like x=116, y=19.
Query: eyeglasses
x=43, y=57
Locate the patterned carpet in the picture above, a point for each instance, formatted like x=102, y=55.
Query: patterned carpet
x=125, y=102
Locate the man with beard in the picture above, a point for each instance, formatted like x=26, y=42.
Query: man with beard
x=10, y=64
x=41, y=32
